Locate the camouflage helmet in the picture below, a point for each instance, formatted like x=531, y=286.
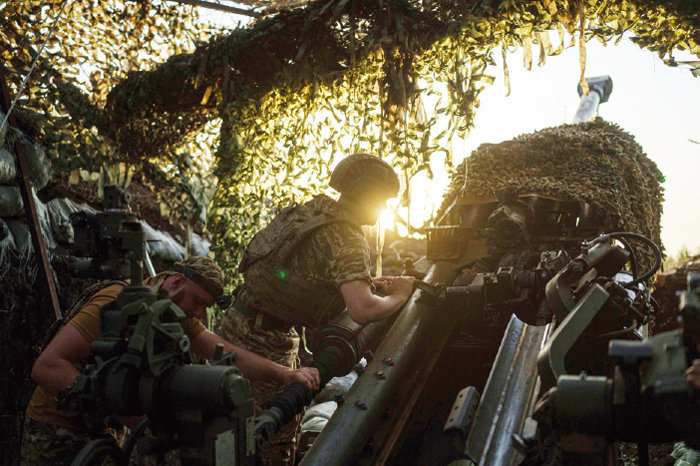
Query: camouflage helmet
x=203, y=271
x=365, y=172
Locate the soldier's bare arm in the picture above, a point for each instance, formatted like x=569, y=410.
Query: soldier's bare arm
x=365, y=307
x=55, y=368
x=253, y=366
x=692, y=374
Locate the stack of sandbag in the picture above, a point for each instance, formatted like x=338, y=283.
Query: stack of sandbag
x=161, y=245
x=20, y=238
x=11, y=204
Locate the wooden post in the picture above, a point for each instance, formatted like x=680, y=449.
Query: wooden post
x=29, y=206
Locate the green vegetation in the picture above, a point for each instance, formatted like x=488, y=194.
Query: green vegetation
x=683, y=256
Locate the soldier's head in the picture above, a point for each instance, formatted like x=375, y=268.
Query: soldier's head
x=365, y=182
x=195, y=285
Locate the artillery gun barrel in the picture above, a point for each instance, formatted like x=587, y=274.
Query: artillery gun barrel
x=600, y=88
x=381, y=394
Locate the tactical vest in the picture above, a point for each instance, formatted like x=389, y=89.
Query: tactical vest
x=272, y=287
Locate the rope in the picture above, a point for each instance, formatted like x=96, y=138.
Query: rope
x=24, y=82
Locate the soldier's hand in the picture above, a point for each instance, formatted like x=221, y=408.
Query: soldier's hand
x=382, y=283
x=306, y=375
x=401, y=286
x=692, y=374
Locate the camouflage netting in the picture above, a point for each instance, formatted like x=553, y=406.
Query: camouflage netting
x=294, y=90
x=594, y=161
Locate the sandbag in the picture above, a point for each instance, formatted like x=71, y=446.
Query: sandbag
x=59, y=210
x=161, y=246
x=20, y=230
x=316, y=417
x=8, y=169
x=200, y=246
x=11, y=203
x=7, y=241
x=38, y=165
x=21, y=235
x=42, y=214
x=338, y=386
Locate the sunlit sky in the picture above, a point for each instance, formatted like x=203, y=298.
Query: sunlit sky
x=657, y=104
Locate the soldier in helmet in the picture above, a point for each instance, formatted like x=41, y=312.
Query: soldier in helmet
x=308, y=265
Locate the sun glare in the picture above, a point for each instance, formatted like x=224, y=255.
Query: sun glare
x=386, y=218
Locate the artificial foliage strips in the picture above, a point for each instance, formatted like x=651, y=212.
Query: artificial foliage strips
x=297, y=90
x=403, y=82
x=94, y=46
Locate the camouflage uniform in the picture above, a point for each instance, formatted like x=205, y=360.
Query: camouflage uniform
x=54, y=445
x=281, y=347
x=332, y=254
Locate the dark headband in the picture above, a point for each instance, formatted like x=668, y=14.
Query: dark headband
x=207, y=285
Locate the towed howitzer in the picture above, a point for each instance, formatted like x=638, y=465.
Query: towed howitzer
x=142, y=365
x=454, y=321
x=496, y=431
x=505, y=256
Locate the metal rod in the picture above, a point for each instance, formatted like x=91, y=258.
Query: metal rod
x=29, y=207
x=31, y=68
x=219, y=7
